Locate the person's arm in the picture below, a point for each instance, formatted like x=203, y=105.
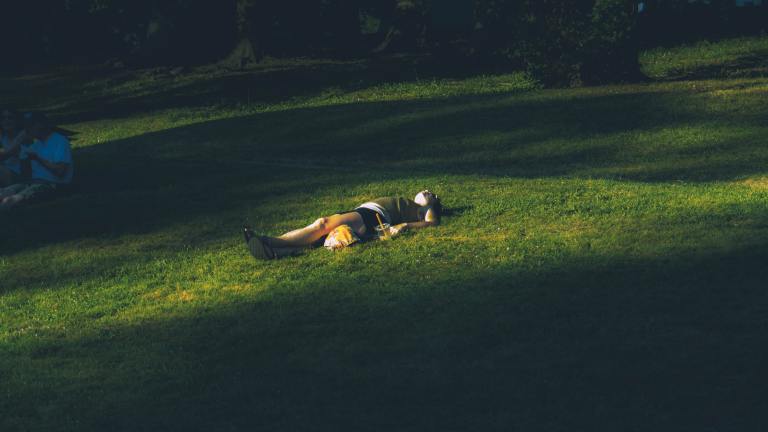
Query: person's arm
x=405, y=226
x=430, y=219
x=13, y=149
x=58, y=169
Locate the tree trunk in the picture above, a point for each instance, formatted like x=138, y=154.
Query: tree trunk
x=246, y=51
x=242, y=56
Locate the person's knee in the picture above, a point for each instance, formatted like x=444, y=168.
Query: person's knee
x=327, y=224
x=320, y=223
x=353, y=219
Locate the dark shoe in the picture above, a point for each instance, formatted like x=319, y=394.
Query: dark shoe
x=260, y=248
x=248, y=233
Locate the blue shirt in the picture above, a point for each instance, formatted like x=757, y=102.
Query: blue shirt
x=54, y=149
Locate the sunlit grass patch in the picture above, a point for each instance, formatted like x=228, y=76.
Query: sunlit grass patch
x=100, y=131
x=730, y=57
x=432, y=88
x=758, y=183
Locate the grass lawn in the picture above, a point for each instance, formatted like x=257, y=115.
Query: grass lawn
x=602, y=267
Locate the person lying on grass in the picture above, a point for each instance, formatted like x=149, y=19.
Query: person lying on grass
x=46, y=164
x=11, y=136
x=400, y=214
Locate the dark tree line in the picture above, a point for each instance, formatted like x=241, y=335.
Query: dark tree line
x=667, y=22
x=561, y=41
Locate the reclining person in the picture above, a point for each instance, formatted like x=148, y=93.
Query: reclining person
x=400, y=213
x=11, y=136
x=46, y=164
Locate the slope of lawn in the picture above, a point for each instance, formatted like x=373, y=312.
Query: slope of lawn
x=601, y=267
x=731, y=58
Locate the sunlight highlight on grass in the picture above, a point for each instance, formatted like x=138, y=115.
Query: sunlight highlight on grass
x=724, y=56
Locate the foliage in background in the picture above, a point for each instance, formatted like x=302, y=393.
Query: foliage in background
x=561, y=42
x=672, y=22
x=612, y=49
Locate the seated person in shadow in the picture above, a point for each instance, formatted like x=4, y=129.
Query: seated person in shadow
x=400, y=213
x=45, y=164
x=11, y=137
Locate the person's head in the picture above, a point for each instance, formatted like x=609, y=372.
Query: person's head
x=37, y=125
x=428, y=199
x=425, y=198
x=10, y=121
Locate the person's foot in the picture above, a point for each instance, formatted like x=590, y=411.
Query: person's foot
x=248, y=233
x=260, y=248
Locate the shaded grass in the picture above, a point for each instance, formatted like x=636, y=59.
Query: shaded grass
x=602, y=267
x=89, y=94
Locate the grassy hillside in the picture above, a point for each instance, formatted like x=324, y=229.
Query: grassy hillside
x=732, y=58
x=602, y=266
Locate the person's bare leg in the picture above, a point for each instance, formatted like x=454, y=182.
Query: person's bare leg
x=303, y=231
x=304, y=237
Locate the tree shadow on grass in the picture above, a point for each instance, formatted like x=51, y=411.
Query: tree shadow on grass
x=144, y=183
x=84, y=94
x=616, y=344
